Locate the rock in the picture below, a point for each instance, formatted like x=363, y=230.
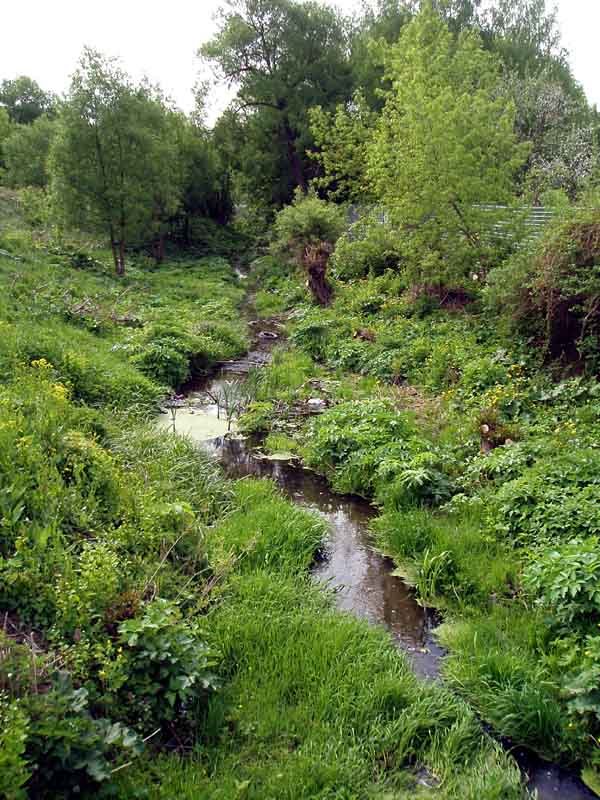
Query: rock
x=268, y=335
x=316, y=404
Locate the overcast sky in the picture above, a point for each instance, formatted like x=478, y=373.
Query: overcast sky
x=160, y=39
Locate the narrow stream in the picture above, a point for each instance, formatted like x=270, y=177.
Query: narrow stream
x=361, y=577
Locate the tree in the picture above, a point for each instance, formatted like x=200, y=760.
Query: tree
x=561, y=128
x=26, y=152
x=284, y=57
x=304, y=234
x=25, y=100
x=525, y=35
x=444, y=146
x=115, y=163
x=341, y=138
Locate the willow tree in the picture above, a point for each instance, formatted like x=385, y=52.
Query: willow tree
x=444, y=147
x=115, y=166
x=283, y=57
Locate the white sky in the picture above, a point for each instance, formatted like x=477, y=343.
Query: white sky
x=159, y=39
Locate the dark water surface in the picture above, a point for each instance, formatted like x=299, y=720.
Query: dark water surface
x=360, y=576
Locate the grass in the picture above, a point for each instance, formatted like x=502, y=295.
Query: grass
x=320, y=705
x=455, y=518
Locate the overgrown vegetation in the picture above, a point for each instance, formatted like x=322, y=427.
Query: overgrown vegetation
x=437, y=354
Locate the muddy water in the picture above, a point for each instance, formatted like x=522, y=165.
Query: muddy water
x=362, y=578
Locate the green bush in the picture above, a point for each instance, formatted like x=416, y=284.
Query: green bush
x=550, y=289
x=552, y=501
x=367, y=249
x=566, y=583
x=72, y=752
x=366, y=447
x=14, y=769
x=307, y=221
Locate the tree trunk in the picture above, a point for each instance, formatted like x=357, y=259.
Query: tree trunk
x=115, y=252
x=315, y=260
x=294, y=158
x=120, y=260
x=158, y=248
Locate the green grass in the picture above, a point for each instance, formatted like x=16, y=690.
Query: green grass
x=320, y=705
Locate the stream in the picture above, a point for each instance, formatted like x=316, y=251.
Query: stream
x=361, y=578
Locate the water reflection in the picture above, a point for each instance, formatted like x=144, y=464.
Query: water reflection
x=361, y=577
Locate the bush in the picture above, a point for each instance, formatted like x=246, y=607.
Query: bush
x=367, y=249
x=70, y=751
x=551, y=289
x=566, y=583
x=307, y=221
x=552, y=501
x=167, y=668
x=14, y=769
x=370, y=449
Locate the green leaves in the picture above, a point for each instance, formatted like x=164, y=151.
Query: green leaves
x=443, y=145
x=168, y=665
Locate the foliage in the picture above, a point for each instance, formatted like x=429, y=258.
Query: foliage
x=566, y=583
x=24, y=99
x=557, y=122
x=442, y=148
x=72, y=751
x=114, y=163
x=553, y=290
x=284, y=57
x=308, y=221
x=369, y=248
x=14, y=772
x=340, y=139
x=167, y=666
x=367, y=448
x=26, y=153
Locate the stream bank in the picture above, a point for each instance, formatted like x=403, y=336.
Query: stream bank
x=362, y=579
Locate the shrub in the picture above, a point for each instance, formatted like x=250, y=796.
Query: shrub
x=369, y=248
x=14, y=769
x=551, y=289
x=551, y=501
x=307, y=221
x=70, y=751
x=368, y=448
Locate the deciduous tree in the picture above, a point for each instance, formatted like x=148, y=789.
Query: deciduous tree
x=444, y=145
x=26, y=152
x=24, y=99
x=115, y=164
x=284, y=57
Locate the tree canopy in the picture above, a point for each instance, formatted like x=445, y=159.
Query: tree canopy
x=24, y=99
x=115, y=162
x=284, y=57
x=444, y=144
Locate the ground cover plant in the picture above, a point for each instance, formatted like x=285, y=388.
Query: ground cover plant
x=159, y=626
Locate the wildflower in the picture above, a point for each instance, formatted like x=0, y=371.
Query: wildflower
x=41, y=364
